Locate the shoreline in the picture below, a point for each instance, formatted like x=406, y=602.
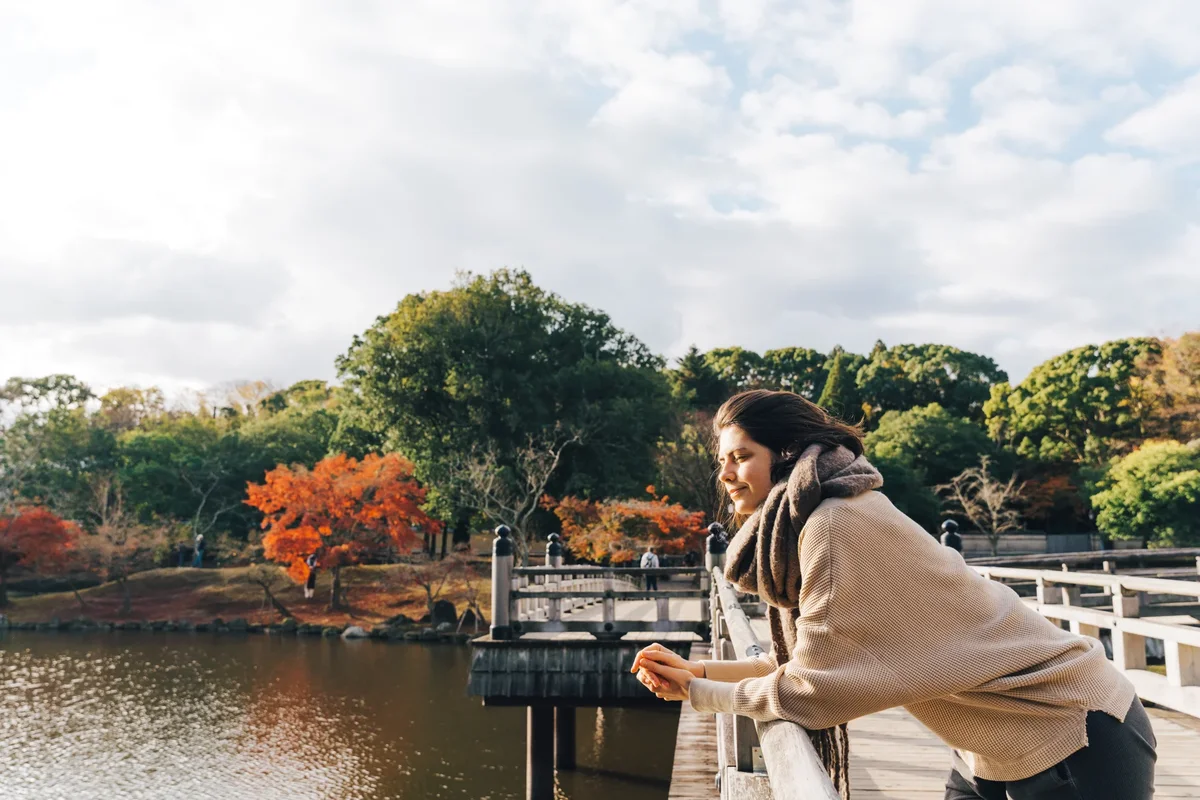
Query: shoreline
x=242, y=627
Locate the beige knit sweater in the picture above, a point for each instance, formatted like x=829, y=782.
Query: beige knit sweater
x=889, y=617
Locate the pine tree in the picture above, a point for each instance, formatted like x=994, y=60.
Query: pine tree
x=840, y=395
x=697, y=382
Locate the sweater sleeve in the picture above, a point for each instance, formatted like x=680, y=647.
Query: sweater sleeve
x=829, y=680
x=732, y=671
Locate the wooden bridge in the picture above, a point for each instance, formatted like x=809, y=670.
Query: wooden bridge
x=560, y=640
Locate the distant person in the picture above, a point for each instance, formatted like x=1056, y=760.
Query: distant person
x=868, y=612
x=950, y=536
x=310, y=583
x=650, y=561
x=198, y=550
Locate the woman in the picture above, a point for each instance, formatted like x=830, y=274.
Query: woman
x=868, y=612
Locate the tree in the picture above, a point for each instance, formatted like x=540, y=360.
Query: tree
x=687, y=465
x=618, y=530
x=910, y=375
x=1165, y=389
x=1153, y=494
x=794, y=369
x=930, y=439
x=1078, y=407
x=35, y=538
x=347, y=511
x=840, y=395
x=739, y=369
x=432, y=577
x=496, y=366
x=696, y=383
x=989, y=504
x=192, y=469
x=126, y=408
x=270, y=578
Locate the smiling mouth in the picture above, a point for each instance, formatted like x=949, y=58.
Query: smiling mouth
x=734, y=492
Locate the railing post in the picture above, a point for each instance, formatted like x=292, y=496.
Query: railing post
x=554, y=560
x=1047, y=594
x=1183, y=663
x=1108, y=569
x=502, y=565
x=1129, y=649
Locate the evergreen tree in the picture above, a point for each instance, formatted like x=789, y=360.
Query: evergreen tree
x=840, y=396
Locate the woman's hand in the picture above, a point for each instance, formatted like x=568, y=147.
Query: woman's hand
x=663, y=688
x=656, y=652
x=665, y=672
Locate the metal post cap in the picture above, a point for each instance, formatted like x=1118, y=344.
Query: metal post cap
x=553, y=545
x=503, y=531
x=950, y=526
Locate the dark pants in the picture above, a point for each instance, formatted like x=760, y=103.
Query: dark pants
x=1117, y=763
x=651, y=583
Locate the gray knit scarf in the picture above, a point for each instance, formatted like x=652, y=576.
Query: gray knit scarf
x=763, y=558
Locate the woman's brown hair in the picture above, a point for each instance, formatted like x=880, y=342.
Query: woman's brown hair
x=785, y=423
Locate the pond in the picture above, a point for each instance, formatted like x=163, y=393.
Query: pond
x=174, y=715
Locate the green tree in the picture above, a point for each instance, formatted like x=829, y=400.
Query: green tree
x=930, y=438
x=910, y=375
x=1153, y=494
x=794, y=369
x=1079, y=407
x=840, y=395
x=739, y=369
x=696, y=383
x=497, y=379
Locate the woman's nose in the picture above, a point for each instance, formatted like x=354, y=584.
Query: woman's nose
x=727, y=473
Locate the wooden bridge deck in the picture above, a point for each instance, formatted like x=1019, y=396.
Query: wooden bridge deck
x=893, y=755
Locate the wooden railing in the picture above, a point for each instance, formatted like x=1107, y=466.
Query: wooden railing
x=1060, y=598
x=753, y=755
x=539, y=599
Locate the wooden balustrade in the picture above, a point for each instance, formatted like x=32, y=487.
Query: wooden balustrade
x=1060, y=598
x=792, y=769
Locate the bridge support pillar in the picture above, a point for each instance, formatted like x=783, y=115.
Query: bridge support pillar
x=539, y=752
x=564, y=737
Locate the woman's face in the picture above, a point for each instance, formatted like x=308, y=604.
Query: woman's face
x=744, y=469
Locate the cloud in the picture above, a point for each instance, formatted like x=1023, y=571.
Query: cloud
x=193, y=196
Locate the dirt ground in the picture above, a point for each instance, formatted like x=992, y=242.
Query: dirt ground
x=374, y=594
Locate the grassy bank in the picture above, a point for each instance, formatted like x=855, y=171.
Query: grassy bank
x=374, y=594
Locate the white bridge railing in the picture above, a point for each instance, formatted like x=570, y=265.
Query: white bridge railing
x=1060, y=597
x=792, y=769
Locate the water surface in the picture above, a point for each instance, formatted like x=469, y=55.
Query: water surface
x=174, y=716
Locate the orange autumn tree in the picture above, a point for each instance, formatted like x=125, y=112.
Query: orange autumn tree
x=33, y=537
x=344, y=510
x=618, y=530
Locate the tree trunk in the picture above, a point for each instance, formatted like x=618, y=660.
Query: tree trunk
x=994, y=541
x=3, y=587
x=445, y=536
x=127, y=602
x=335, y=596
x=274, y=601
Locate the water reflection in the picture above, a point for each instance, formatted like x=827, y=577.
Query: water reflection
x=177, y=716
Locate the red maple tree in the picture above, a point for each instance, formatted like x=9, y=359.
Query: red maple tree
x=33, y=537
x=619, y=530
x=344, y=510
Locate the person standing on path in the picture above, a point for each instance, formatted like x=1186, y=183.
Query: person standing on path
x=310, y=582
x=198, y=550
x=650, y=561
x=868, y=612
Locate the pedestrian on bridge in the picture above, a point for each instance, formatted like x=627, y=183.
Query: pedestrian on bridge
x=650, y=561
x=868, y=611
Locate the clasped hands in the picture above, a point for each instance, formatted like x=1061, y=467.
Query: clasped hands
x=665, y=672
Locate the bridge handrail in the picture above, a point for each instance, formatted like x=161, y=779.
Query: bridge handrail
x=793, y=768
x=1129, y=583
x=1059, y=598
x=592, y=569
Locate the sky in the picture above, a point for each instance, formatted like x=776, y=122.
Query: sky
x=198, y=193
